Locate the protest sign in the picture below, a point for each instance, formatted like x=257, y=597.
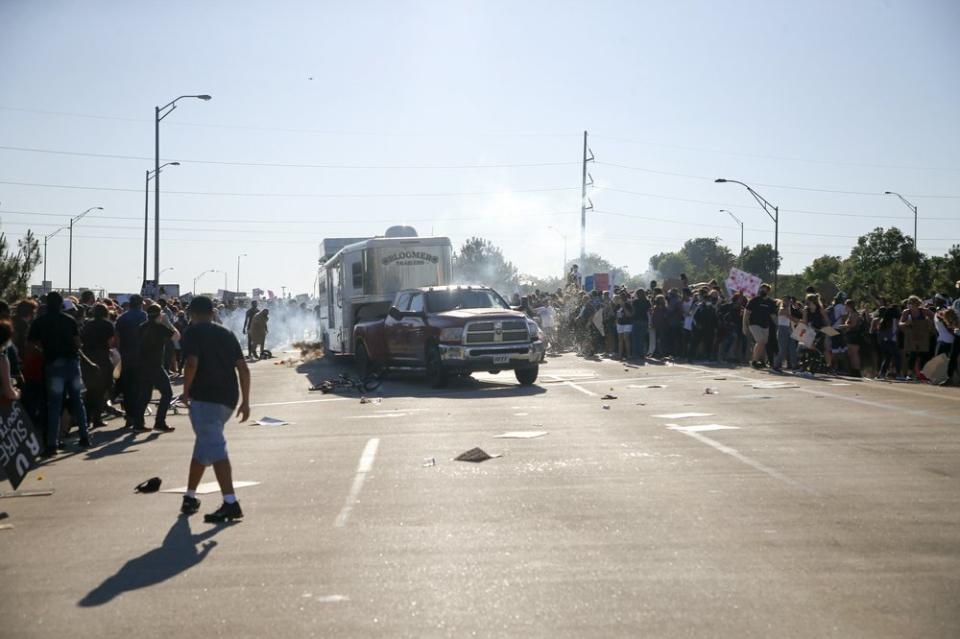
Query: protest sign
x=742, y=282
x=19, y=445
x=601, y=281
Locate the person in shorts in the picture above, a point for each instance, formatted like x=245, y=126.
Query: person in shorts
x=759, y=316
x=213, y=363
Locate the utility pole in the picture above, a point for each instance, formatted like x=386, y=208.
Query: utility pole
x=584, y=206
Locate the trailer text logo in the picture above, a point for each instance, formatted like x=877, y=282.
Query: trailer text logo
x=410, y=258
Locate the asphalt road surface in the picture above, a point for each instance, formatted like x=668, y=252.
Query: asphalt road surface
x=830, y=508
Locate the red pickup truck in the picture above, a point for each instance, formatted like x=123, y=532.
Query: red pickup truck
x=451, y=330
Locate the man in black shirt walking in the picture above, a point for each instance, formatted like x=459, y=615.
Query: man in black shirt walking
x=154, y=335
x=57, y=335
x=214, y=361
x=760, y=315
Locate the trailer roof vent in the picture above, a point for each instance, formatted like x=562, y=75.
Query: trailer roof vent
x=401, y=231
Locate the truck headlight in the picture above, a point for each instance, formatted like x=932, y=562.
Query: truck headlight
x=453, y=334
x=532, y=329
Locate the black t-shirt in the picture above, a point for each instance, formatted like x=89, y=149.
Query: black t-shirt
x=760, y=309
x=641, y=310
x=96, y=335
x=153, y=337
x=217, y=351
x=56, y=333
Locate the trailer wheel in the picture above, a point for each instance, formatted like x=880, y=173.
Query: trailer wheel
x=527, y=376
x=436, y=373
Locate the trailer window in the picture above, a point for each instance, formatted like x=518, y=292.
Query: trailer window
x=357, y=276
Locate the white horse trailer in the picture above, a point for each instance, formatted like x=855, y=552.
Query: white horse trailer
x=360, y=280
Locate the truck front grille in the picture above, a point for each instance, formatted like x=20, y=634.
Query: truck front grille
x=497, y=332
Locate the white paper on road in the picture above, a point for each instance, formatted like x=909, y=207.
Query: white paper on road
x=210, y=487
x=647, y=386
x=683, y=415
x=271, y=421
x=701, y=428
x=772, y=385
x=521, y=434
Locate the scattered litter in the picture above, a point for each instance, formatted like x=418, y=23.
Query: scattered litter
x=27, y=493
x=429, y=461
x=701, y=428
x=521, y=434
x=271, y=421
x=719, y=379
x=772, y=385
x=646, y=386
x=606, y=407
x=210, y=487
x=840, y=384
x=711, y=391
x=475, y=455
x=6, y=526
x=375, y=400
x=332, y=598
x=151, y=485
x=683, y=415
x=640, y=404
x=609, y=396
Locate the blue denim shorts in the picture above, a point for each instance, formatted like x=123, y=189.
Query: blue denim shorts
x=208, y=420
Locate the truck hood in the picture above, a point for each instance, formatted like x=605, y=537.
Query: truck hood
x=472, y=313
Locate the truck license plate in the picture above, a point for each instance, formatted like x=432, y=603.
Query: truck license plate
x=501, y=359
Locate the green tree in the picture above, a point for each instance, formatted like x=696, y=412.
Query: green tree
x=823, y=269
x=16, y=268
x=594, y=263
x=480, y=261
x=670, y=265
x=708, y=259
x=761, y=260
x=884, y=263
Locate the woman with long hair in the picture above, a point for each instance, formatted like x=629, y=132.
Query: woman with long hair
x=916, y=323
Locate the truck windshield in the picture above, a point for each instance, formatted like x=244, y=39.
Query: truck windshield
x=442, y=301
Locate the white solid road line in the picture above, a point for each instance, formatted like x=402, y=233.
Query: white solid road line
x=366, y=463
x=303, y=401
x=746, y=460
x=567, y=382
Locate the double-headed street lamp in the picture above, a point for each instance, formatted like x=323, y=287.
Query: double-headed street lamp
x=775, y=216
x=146, y=214
x=912, y=208
x=45, y=238
x=159, y=114
x=738, y=221
x=70, y=259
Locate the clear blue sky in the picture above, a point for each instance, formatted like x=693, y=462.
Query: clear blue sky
x=852, y=96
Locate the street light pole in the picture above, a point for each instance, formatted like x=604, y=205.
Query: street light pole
x=45, y=238
x=912, y=208
x=197, y=278
x=70, y=258
x=159, y=114
x=738, y=221
x=238, y=271
x=775, y=216
x=146, y=214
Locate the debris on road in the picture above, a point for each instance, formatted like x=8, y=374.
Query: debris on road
x=429, y=461
x=6, y=526
x=647, y=386
x=773, y=385
x=606, y=407
x=683, y=415
x=609, y=396
x=521, y=434
x=375, y=400
x=475, y=455
x=151, y=485
x=27, y=493
x=210, y=487
x=271, y=421
x=711, y=391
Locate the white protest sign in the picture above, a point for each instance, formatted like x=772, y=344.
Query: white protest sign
x=742, y=282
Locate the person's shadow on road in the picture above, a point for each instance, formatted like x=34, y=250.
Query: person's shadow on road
x=177, y=554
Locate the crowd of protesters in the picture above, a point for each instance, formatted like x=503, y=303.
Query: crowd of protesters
x=75, y=362
x=703, y=322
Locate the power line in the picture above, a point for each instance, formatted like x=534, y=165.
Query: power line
x=114, y=156
x=775, y=157
x=273, y=221
x=292, y=195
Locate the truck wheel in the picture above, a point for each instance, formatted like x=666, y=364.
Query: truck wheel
x=436, y=373
x=527, y=376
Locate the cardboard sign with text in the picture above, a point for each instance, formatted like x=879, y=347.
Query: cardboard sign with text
x=743, y=282
x=19, y=445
